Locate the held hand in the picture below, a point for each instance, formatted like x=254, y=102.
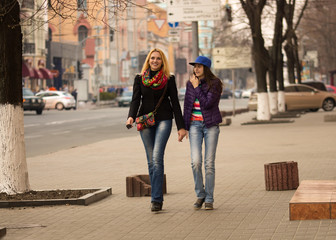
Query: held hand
x=181, y=134
x=129, y=122
x=194, y=80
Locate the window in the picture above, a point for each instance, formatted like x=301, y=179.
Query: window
x=290, y=89
x=49, y=35
x=82, y=4
x=28, y=4
x=82, y=34
x=206, y=42
x=304, y=89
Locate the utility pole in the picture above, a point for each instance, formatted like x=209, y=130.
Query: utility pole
x=195, y=46
x=97, y=65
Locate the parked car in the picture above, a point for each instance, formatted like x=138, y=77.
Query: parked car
x=331, y=88
x=58, y=100
x=247, y=93
x=226, y=94
x=316, y=84
x=181, y=93
x=32, y=102
x=302, y=97
x=125, y=99
x=238, y=93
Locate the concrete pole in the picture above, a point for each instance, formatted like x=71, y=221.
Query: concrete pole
x=195, y=48
x=117, y=43
x=233, y=92
x=97, y=74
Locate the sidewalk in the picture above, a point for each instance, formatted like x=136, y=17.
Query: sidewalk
x=243, y=209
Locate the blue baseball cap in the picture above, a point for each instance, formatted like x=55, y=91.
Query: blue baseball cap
x=202, y=60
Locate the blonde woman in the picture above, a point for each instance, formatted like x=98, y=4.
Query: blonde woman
x=148, y=88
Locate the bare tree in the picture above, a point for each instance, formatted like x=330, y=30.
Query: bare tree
x=272, y=61
x=291, y=46
x=276, y=61
x=13, y=166
x=253, y=10
x=318, y=32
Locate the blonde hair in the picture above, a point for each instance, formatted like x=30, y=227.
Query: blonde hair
x=165, y=67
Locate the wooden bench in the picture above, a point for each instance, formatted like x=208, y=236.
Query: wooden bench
x=314, y=199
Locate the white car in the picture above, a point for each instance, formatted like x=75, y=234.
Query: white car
x=181, y=93
x=247, y=93
x=58, y=100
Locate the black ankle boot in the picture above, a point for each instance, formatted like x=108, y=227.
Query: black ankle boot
x=156, y=206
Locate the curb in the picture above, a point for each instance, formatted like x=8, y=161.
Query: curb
x=266, y=122
x=84, y=200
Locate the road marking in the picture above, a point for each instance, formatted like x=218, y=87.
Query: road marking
x=34, y=136
x=60, y=133
x=73, y=120
x=32, y=125
x=87, y=128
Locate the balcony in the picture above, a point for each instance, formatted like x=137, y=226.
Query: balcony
x=29, y=4
x=28, y=48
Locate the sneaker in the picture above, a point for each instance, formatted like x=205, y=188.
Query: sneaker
x=208, y=206
x=198, y=204
x=156, y=206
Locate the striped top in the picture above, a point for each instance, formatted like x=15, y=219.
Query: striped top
x=196, y=114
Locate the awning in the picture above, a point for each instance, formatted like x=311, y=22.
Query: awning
x=37, y=73
x=46, y=73
x=26, y=70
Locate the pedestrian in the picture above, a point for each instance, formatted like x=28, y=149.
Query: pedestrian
x=202, y=118
x=65, y=88
x=148, y=88
x=74, y=94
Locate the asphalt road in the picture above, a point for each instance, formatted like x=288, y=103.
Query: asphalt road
x=56, y=130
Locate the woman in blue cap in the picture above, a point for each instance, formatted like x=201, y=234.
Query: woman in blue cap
x=201, y=118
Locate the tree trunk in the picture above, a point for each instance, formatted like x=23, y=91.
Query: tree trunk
x=276, y=60
x=272, y=94
x=297, y=59
x=13, y=165
x=260, y=55
x=281, y=101
x=281, y=93
x=290, y=63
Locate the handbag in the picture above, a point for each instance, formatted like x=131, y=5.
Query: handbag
x=148, y=120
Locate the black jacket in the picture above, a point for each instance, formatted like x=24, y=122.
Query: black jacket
x=144, y=100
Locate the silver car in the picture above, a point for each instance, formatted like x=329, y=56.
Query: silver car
x=300, y=97
x=125, y=99
x=58, y=100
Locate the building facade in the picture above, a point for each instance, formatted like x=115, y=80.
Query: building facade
x=35, y=74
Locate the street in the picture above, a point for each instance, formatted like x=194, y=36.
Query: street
x=56, y=130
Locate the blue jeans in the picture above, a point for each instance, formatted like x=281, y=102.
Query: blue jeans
x=155, y=139
x=197, y=132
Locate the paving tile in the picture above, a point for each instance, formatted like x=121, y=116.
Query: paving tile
x=243, y=208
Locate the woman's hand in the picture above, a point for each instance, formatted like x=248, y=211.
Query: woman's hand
x=194, y=80
x=129, y=122
x=181, y=134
